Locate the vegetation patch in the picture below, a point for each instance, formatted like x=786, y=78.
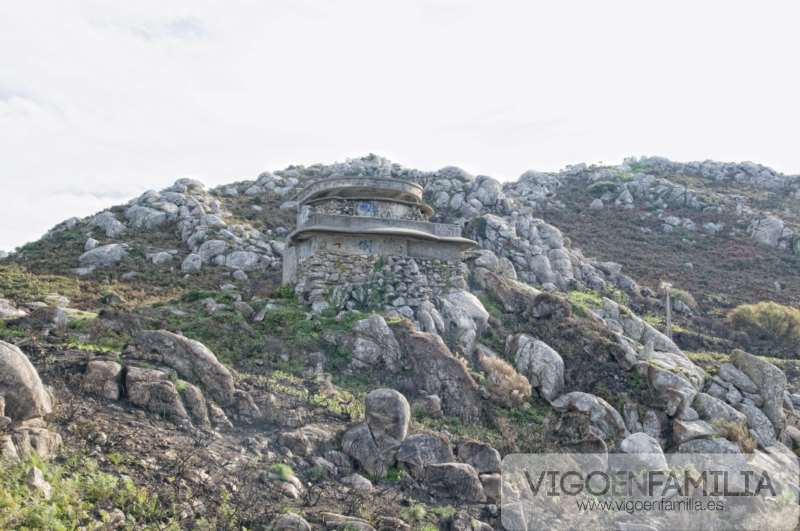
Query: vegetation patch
x=282, y=471
x=21, y=285
x=738, y=433
x=601, y=187
x=82, y=496
x=684, y=296
x=8, y=333
x=584, y=300
x=771, y=327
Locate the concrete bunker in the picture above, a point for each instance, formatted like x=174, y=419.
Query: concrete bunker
x=367, y=242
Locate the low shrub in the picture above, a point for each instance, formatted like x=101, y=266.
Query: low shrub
x=683, y=296
x=769, y=326
x=601, y=187
x=738, y=433
x=283, y=471
x=506, y=386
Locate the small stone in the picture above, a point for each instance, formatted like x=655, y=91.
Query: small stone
x=161, y=258
x=192, y=264
x=103, y=379
x=428, y=405
x=455, y=480
x=36, y=481
x=289, y=522
x=492, y=487
x=358, y=482
x=289, y=490
x=480, y=455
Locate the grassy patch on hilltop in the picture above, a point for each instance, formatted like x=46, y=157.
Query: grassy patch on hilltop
x=21, y=285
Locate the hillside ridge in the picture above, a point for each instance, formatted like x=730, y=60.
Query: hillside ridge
x=156, y=349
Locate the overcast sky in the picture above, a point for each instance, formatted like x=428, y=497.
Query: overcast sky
x=102, y=100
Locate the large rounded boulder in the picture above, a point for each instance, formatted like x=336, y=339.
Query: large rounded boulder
x=25, y=395
x=191, y=359
x=388, y=415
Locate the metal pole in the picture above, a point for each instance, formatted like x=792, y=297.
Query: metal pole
x=669, y=316
x=667, y=288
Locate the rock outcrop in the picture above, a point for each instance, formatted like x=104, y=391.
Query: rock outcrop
x=372, y=344
x=153, y=391
x=437, y=372
x=770, y=381
x=542, y=365
x=191, y=359
x=455, y=480
x=25, y=395
x=24, y=404
x=423, y=449
x=374, y=444
x=600, y=413
x=103, y=378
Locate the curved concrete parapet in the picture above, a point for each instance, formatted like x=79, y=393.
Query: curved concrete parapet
x=363, y=187
x=388, y=231
x=423, y=230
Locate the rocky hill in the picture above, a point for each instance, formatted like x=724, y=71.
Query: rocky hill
x=156, y=374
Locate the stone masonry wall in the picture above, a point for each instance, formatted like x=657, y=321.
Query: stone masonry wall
x=328, y=279
x=369, y=208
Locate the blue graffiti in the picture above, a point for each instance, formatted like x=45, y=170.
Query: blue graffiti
x=365, y=245
x=366, y=208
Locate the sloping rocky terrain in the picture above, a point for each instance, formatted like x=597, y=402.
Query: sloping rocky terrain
x=155, y=374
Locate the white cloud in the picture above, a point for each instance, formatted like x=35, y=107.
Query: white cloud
x=173, y=28
x=131, y=95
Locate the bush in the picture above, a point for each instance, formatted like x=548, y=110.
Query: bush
x=770, y=325
x=737, y=433
x=683, y=296
x=585, y=299
x=506, y=386
x=601, y=187
x=282, y=471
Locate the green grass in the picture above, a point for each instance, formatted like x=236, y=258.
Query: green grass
x=8, y=333
x=56, y=252
x=491, y=306
x=395, y=474
x=21, y=285
x=426, y=518
x=89, y=346
x=656, y=321
x=455, y=426
x=414, y=513
x=181, y=385
x=772, y=328
x=342, y=402
x=531, y=413
x=115, y=458
x=233, y=338
x=83, y=496
x=283, y=471
x=684, y=296
x=584, y=300
x=347, y=398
